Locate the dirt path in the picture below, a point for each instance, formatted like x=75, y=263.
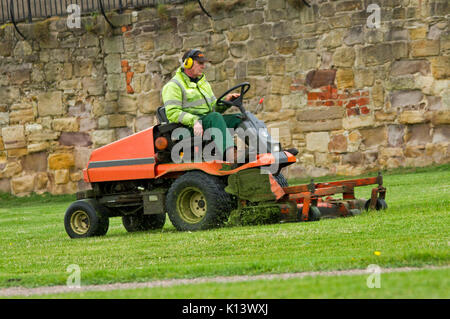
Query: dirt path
x=21, y=291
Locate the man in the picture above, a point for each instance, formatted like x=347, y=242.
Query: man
x=189, y=100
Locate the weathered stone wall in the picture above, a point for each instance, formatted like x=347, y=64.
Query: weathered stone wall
x=349, y=97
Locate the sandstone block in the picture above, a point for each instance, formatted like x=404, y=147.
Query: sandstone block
x=238, y=34
x=17, y=152
x=441, y=117
x=44, y=135
x=391, y=152
x=116, y=82
x=144, y=122
x=404, y=67
x=103, y=137
x=419, y=32
x=441, y=134
x=418, y=134
x=326, y=125
x=345, y=78
x=307, y=159
x=127, y=104
x=69, y=124
x=396, y=135
x=338, y=143
x=37, y=147
x=60, y=161
x=354, y=35
x=116, y=120
x=94, y=86
x=320, y=113
x=308, y=60
x=354, y=159
x=378, y=94
x=37, y=162
x=4, y=118
x=281, y=131
x=424, y=47
x=75, y=177
x=9, y=94
x=440, y=67
x=112, y=63
x=82, y=155
x=276, y=65
x=281, y=85
x=414, y=151
x=292, y=101
x=349, y=170
x=22, y=185
x=61, y=176
x=438, y=152
x=411, y=117
x=332, y=39
x=40, y=181
x=68, y=188
x=13, y=137
x=405, y=98
x=260, y=47
x=149, y=102
x=317, y=141
x=374, y=137
x=75, y=139
x=113, y=45
x=11, y=169
x=344, y=57
x=353, y=122
x=376, y=54
x=272, y=103
x=50, y=103
x=287, y=45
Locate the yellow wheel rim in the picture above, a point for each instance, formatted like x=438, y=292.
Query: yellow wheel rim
x=191, y=205
x=79, y=222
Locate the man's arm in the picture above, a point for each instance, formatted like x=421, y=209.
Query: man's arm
x=173, y=101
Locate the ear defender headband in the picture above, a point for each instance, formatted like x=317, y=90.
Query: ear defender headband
x=189, y=61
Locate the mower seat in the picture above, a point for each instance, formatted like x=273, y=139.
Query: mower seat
x=165, y=127
x=161, y=115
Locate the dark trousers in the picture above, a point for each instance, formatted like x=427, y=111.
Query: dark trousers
x=222, y=123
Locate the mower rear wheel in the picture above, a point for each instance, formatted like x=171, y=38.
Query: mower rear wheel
x=198, y=201
x=86, y=218
x=281, y=180
x=314, y=214
x=140, y=222
x=380, y=204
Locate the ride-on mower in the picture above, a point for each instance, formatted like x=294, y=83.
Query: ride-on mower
x=138, y=179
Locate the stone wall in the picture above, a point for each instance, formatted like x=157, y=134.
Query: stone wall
x=351, y=98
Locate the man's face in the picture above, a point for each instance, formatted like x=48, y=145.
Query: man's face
x=197, y=69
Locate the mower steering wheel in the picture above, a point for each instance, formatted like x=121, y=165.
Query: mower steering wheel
x=245, y=86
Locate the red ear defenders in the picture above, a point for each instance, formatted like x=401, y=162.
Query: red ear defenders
x=189, y=61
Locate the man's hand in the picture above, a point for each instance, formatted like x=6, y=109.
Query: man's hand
x=232, y=96
x=198, y=128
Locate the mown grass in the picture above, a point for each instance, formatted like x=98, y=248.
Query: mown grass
x=403, y=285
x=36, y=251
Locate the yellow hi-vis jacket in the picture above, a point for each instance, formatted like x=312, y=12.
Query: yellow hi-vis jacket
x=185, y=101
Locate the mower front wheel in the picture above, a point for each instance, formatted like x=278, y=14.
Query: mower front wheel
x=380, y=204
x=86, y=218
x=198, y=201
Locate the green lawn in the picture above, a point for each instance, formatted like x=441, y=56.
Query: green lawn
x=36, y=251
x=423, y=284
